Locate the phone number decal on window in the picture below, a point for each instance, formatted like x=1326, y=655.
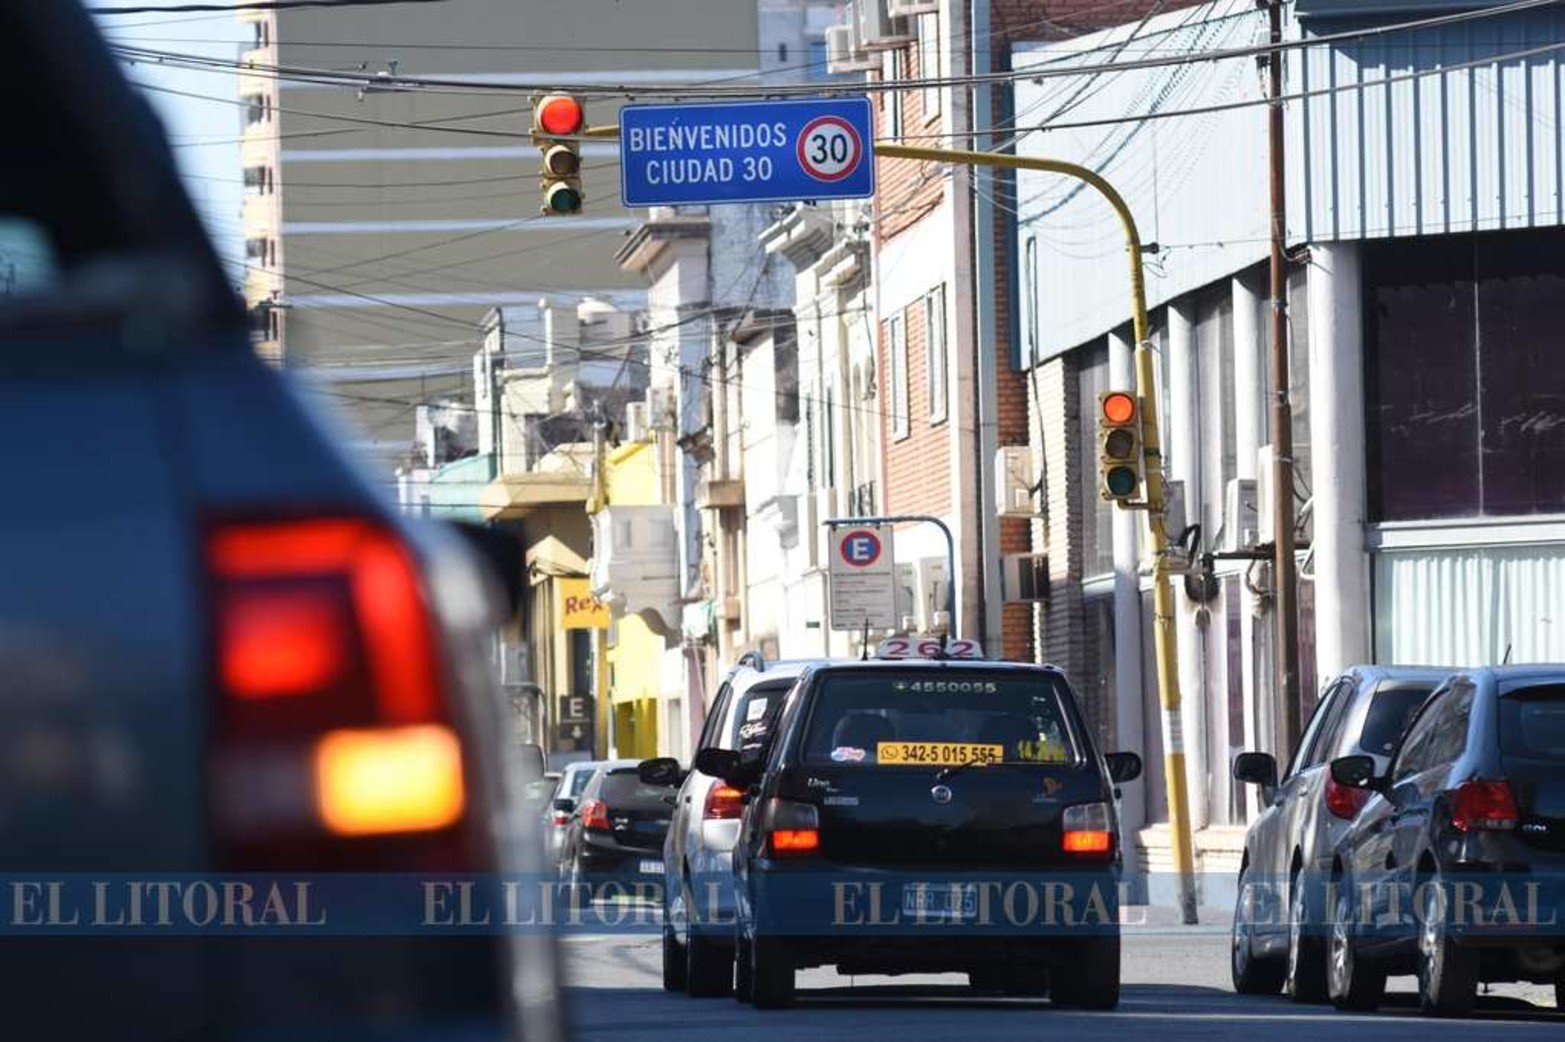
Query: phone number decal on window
x=938, y=753
x=948, y=687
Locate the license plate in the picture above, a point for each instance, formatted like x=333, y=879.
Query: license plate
x=940, y=901
x=938, y=754
x=652, y=868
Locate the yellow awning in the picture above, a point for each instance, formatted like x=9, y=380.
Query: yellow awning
x=516, y=495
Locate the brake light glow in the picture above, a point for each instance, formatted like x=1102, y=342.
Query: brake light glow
x=1478, y=805
x=559, y=817
x=723, y=802
x=1344, y=801
x=595, y=815
x=384, y=780
x=795, y=841
x=1086, y=830
x=280, y=643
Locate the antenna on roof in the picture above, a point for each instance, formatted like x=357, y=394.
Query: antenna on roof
x=1507, y=659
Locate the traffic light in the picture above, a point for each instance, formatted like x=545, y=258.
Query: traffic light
x=556, y=119
x=1119, y=446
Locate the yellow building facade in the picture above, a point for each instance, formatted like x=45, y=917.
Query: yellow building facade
x=631, y=479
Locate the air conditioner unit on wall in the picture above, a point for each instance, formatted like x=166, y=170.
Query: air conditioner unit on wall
x=662, y=408
x=636, y=426
x=1025, y=577
x=1013, y=481
x=842, y=52
x=909, y=8
x=1240, y=526
x=878, y=30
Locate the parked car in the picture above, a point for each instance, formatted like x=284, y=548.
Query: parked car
x=698, y=901
x=562, y=803
x=224, y=651
x=1276, y=939
x=616, y=831
x=924, y=783
x=1473, y=798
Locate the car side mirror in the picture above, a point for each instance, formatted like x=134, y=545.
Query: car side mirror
x=532, y=761
x=1123, y=767
x=663, y=772
x=1256, y=769
x=564, y=805
x=739, y=770
x=1355, y=772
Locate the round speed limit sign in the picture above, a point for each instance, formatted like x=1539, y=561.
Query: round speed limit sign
x=829, y=148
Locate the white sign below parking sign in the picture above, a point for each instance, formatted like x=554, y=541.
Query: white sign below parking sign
x=862, y=578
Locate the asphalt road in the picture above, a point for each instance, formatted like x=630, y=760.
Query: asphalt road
x=1176, y=987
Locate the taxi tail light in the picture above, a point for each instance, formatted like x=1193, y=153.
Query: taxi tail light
x=595, y=815
x=332, y=719
x=1344, y=801
x=1087, y=831
x=793, y=829
x=723, y=803
x=1478, y=805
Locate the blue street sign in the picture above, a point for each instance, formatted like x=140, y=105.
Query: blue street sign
x=746, y=152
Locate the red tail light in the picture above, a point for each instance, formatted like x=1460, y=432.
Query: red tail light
x=787, y=842
x=1086, y=831
x=559, y=817
x=723, y=802
x=1483, y=805
x=332, y=717
x=1343, y=800
x=595, y=815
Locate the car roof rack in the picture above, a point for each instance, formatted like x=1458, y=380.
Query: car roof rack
x=754, y=659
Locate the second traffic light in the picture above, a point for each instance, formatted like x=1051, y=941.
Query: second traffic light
x=1119, y=446
x=557, y=118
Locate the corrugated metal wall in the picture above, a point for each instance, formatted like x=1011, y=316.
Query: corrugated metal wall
x=1465, y=607
x=1421, y=151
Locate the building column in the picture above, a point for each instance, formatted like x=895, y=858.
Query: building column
x=1343, y=611
x=1249, y=297
x=1184, y=464
x=1129, y=722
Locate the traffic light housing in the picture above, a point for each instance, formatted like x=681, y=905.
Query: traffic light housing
x=1119, y=446
x=557, y=119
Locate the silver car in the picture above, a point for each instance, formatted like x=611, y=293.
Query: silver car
x=1278, y=935
x=698, y=900
x=562, y=805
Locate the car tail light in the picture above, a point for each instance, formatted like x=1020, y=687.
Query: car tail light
x=1344, y=801
x=560, y=818
x=332, y=718
x=1483, y=805
x=723, y=802
x=792, y=829
x=595, y=815
x=1087, y=831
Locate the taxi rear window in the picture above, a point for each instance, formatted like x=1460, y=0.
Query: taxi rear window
x=938, y=718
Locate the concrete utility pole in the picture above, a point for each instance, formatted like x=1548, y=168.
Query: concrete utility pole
x=1285, y=584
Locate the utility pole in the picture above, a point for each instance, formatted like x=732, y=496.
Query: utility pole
x=602, y=727
x=1285, y=584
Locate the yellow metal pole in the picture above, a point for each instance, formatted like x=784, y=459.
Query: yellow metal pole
x=1156, y=507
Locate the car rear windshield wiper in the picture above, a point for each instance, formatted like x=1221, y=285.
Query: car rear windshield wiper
x=947, y=773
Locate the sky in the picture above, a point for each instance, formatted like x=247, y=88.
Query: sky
x=205, y=133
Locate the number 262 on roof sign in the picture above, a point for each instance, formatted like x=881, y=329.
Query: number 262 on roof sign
x=746, y=152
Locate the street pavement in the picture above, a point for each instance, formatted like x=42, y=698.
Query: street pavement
x=1175, y=987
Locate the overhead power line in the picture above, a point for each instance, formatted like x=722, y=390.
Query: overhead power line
x=256, y=5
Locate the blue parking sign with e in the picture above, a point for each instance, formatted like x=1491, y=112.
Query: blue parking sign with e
x=746, y=152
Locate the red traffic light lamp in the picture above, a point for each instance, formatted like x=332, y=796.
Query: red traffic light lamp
x=556, y=119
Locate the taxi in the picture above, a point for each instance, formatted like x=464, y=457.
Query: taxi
x=929, y=812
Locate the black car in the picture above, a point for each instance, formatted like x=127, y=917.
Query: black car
x=1288, y=847
x=1453, y=869
x=616, y=832
x=929, y=816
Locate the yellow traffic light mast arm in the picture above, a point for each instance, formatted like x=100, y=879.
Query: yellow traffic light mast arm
x=1157, y=526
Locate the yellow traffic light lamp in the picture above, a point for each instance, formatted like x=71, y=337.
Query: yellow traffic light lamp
x=556, y=119
x=1119, y=446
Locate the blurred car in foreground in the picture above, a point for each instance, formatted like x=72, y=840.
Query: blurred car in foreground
x=698, y=900
x=223, y=651
x=1454, y=868
x=616, y=832
x=1304, y=814
x=897, y=800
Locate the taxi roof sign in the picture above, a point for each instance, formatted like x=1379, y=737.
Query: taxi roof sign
x=895, y=648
